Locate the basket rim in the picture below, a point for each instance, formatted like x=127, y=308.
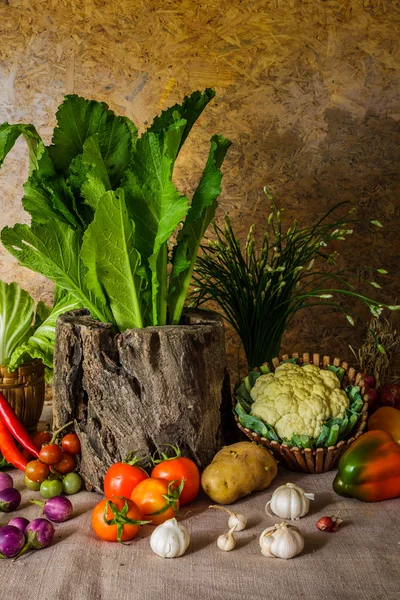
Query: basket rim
x=353, y=375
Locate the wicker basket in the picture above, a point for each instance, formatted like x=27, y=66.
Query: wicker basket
x=24, y=389
x=307, y=460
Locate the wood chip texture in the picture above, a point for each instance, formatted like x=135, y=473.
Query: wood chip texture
x=308, y=92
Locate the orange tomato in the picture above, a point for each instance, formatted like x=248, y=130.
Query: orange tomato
x=124, y=512
x=157, y=499
x=121, y=479
x=176, y=469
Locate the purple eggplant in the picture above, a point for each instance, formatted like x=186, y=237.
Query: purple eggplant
x=57, y=508
x=6, y=481
x=39, y=534
x=12, y=540
x=10, y=499
x=19, y=522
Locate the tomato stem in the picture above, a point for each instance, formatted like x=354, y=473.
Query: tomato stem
x=164, y=456
x=172, y=498
x=119, y=518
x=55, y=433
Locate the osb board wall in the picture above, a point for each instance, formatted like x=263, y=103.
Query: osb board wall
x=308, y=92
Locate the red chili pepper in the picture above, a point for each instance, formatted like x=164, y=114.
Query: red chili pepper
x=15, y=427
x=8, y=448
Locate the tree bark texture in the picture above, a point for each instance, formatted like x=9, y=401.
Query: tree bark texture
x=141, y=389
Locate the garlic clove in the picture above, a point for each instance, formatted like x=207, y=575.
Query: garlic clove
x=227, y=542
x=238, y=521
x=235, y=519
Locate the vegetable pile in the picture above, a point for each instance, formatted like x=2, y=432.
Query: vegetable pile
x=103, y=208
x=134, y=498
x=302, y=406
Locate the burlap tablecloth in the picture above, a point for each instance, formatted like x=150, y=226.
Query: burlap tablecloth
x=361, y=561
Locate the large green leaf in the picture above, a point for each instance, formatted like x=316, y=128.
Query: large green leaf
x=49, y=199
x=109, y=253
x=96, y=180
x=156, y=206
x=37, y=150
x=201, y=212
x=41, y=343
x=53, y=249
x=190, y=109
x=77, y=120
x=16, y=318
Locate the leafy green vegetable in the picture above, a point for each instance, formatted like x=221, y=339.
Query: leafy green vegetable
x=41, y=343
x=255, y=424
x=339, y=371
x=112, y=261
x=301, y=441
x=104, y=207
x=27, y=332
x=201, y=212
x=16, y=318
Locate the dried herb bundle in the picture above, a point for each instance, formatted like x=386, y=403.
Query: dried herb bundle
x=370, y=360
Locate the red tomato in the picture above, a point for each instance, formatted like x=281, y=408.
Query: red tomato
x=36, y=471
x=71, y=444
x=121, y=479
x=122, y=532
x=149, y=495
x=177, y=469
x=40, y=438
x=67, y=464
x=50, y=454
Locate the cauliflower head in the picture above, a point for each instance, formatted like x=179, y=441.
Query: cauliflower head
x=298, y=400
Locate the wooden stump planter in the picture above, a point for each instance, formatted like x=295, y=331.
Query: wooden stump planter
x=140, y=389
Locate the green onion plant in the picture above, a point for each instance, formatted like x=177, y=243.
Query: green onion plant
x=259, y=292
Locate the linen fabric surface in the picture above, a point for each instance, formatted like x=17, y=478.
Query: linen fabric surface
x=361, y=561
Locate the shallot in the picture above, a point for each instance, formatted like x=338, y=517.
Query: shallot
x=329, y=524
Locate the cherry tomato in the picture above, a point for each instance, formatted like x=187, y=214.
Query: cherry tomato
x=149, y=496
x=66, y=465
x=31, y=485
x=36, y=471
x=50, y=454
x=72, y=483
x=121, y=479
x=112, y=532
x=40, y=438
x=50, y=488
x=177, y=469
x=71, y=444
x=26, y=454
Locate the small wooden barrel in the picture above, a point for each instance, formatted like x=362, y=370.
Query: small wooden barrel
x=320, y=460
x=24, y=389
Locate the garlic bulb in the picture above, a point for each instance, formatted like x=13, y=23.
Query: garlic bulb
x=281, y=541
x=289, y=502
x=227, y=542
x=170, y=539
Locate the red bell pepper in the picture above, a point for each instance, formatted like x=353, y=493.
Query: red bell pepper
x=370, y=469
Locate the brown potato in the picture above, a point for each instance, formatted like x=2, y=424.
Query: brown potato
x=238, y=470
